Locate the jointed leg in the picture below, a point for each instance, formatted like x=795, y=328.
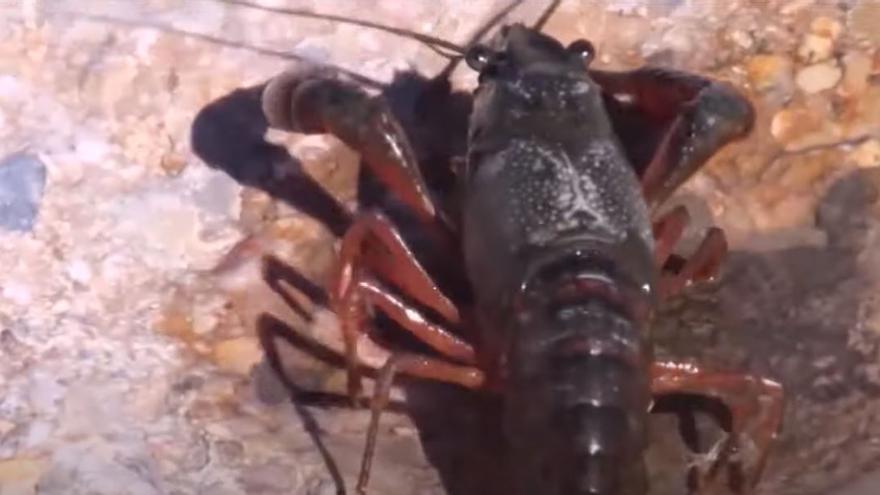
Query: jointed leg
x=755, y=404
x=701, y=117
x=676, y=272
x=316, y=102
x=415, y=366
x=372, y=245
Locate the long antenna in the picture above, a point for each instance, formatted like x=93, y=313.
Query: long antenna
x=478, y=35
x=548, y=12
x=424, y=38
x=215, y=40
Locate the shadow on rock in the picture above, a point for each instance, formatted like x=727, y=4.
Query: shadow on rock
x=229, y=135
x=801, y=315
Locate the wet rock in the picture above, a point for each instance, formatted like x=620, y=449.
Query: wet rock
x=228, y=451
x=773, y=74
x=20, y=475
x=866, y=154
x=863, y=20
x=794, y=6
x=238, y=355
x=857, y=70
x=818, y=77
x=6, y=427
x=815, y=48
x=826, y=27
x=22, y=179
x=799, y=128
x=269, y=478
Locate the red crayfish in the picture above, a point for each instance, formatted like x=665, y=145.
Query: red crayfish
x=553, y=229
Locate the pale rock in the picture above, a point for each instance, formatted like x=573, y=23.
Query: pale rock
x=5, y=427
x=826, y=27
x=743, y=39
x=789, y=124
x=20, y=475
x=17, y=292
x=795, y=6
x=172, y=163
x=866, y=154
x=815, y=48
x=91, y=149
x=772, y=74
x=80, y=271
x=238, y=355
x=818, y=77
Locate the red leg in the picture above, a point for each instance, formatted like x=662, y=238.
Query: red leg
x=700, y=117
x=755, y=404
x=316, y=102
x=415, y=366
x=677, y=273
x=372, y=245
x=701, y=266
x=667, y=232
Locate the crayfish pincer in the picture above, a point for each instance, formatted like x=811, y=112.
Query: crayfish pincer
x=564, y=261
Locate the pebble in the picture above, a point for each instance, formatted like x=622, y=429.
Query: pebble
x=818, y=77
x=80, y=271
x=6, y=427
x=238, y=355
x=798, y=128
x=866, y=154
x=815, y=48
x=771, y=74
x=20, y=475
x=172, y=163
x=795, y=6
x=22, y=180
x=826, y=27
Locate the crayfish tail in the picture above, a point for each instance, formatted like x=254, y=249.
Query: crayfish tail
x=578, y=402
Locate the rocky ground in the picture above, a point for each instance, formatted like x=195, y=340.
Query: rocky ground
x=161, y=248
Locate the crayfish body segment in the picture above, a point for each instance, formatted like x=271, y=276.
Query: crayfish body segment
x=558, y=245
x=562, y=258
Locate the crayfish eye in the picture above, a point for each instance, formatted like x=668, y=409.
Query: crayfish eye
x=583, y=49
x=478, y=57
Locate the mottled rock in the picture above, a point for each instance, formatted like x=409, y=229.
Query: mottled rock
x=772, y=74
x=866, y=154
x=864, y=18
x=799, y=128
x=22, y=179
x=857, y=70
x=238, y=355
x=19, y=476
x=815, y=48
x=826, y=27
x=818, y=77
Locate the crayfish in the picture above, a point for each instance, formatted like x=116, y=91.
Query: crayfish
x=565, y=167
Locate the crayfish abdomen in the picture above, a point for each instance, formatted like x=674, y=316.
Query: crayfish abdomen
x=577, y=389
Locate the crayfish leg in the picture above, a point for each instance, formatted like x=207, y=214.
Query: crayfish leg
x=678, y=272
x=755, y=403
x=695, y=117
x=373, y=249
x=413, y=365
x=317, y=102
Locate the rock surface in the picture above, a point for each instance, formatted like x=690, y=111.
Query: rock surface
x=162, y=249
